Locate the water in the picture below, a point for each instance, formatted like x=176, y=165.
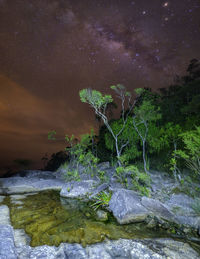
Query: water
x=50, y=220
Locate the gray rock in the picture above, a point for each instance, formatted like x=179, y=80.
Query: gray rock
x=99, y=189
x=21, y=238
x=78, y=189
x=37, y=174
x=122, y=249
x=103, y=166
x=181, y=205
x=126, y=207
x=177, y=250
x=15, y=185
x=2, y=198
x=7, y=247
x=157, y=208
x=102, y=215
x=4, y=215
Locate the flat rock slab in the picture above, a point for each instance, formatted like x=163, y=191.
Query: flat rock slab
x=16, y=184
x=4, y=215
x=126, y=207
x=7, y=246
x=78, y=189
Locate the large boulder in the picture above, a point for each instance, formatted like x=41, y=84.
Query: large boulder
x=126, y=207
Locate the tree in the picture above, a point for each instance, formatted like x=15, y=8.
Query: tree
x=145, y=113
x=100, y=103
x=191, y=151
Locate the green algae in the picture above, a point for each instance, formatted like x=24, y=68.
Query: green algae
x=50, y=220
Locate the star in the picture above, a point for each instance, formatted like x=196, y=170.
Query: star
x=166, y=4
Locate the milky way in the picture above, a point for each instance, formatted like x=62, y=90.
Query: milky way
x=50, y=49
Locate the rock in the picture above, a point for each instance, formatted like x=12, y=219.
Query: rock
x=103, y=166
x=16, y=184
x=5, y=216
x=78, y=189
x=158, y=209
x=15, y=199
x=102, y=215
x=7, y=247
x=181, y=205
x=177, y=250
x=2, y=198
x=21, y=238
x=122, y=248
x=36, y=174
x=99, y=189
x=126, y=207
x=152, y=223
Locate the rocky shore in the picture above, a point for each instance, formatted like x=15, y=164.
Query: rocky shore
x=168, y=210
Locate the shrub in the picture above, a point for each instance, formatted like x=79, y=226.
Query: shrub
x=101, y=200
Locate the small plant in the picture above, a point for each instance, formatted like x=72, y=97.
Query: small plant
x=63, y=167
x=102, y=176
x=141, y=181
x=101, y=200
x=121, y=174
x=72, y=175
x=196, y=206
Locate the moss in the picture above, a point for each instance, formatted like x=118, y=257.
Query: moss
x=48, y=221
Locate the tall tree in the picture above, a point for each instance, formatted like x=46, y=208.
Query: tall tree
x=145, y=113
x=100, y=103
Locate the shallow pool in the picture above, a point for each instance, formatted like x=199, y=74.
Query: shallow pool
x=50, y=220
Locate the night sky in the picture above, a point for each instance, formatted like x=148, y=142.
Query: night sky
x=50, y=49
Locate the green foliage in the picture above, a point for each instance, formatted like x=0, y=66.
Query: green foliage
x=102, y=176
x=95, y=98
x=63, y=166
x=71, y=175
x=101, y=200
x=141, y=181
x=131, y=151
x=147, y=112
x=191, y=151
x=81, y=153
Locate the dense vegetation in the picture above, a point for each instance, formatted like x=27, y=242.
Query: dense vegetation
x=158, y=130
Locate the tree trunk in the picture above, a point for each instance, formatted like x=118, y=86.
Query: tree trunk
x=144, y=158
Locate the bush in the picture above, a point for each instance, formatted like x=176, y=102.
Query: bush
x=101, y=200
x=141, y=181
